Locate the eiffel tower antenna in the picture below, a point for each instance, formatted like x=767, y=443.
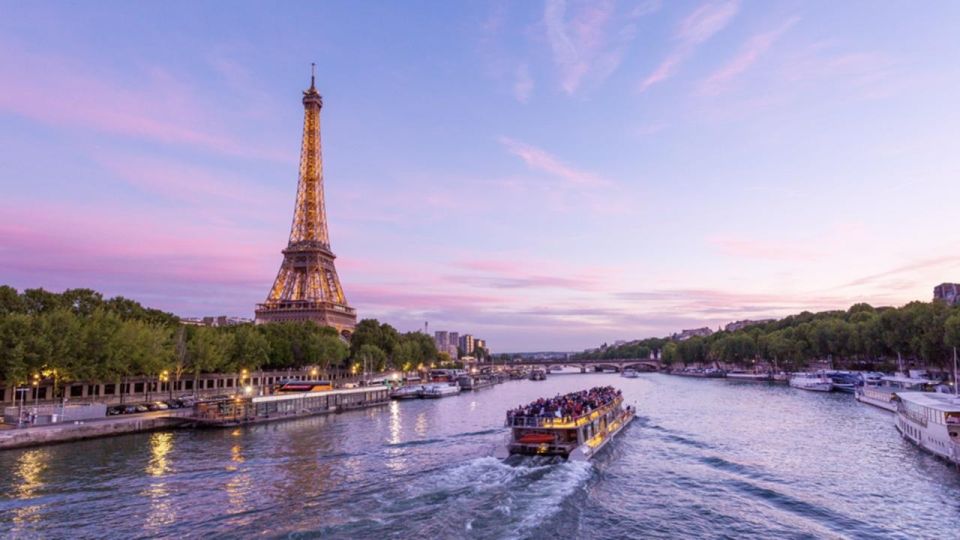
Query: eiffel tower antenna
x=307, y=287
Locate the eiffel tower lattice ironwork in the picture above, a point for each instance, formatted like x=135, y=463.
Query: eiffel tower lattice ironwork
x=307, y=287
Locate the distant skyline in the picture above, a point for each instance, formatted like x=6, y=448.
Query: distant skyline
x=548, y=175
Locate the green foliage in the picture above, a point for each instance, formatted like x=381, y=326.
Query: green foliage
x=921, y=332
x=79, y=335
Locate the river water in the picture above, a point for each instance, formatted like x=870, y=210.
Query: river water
x=704, y=459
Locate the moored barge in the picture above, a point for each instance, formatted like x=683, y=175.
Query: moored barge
x=574, y=426
x=239, y=410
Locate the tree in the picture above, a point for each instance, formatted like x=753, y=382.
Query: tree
x=670, y=354
x=250, y=349
x=10, y=301
x=370, y=357
x=209, y=351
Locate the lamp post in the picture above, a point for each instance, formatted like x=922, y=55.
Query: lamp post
x=36, y=395
x=22, y=392
x=243, y=375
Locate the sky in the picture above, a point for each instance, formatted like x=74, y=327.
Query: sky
x=545, y=175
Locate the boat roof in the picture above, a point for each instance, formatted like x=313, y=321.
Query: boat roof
x=934, y=400
x=298, y=395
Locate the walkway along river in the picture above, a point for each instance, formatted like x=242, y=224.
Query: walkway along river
x=705, y=458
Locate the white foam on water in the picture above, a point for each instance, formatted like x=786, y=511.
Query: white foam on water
x=546, y=494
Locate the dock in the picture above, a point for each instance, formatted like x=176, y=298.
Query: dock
x=91, y=429
x=225, y=412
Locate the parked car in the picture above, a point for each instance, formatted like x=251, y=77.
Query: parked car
x=141, y=408
x=130, y=409
x=158, y=406
x=173, y=403
x=115, y=410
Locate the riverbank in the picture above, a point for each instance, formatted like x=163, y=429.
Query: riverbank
x=92, y=429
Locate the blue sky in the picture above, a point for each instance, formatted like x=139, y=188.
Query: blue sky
x=544, y=175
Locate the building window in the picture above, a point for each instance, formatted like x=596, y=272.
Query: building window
x=76, y=390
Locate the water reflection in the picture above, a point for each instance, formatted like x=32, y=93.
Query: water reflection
x=162, y=511
x=29, y=470
x=238, y=487
x=395, y=460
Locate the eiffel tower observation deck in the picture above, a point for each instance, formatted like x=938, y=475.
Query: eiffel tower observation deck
x=307, y=287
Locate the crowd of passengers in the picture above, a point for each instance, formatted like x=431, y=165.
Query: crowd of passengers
x=570, y=405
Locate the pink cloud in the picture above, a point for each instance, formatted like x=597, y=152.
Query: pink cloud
x=695, y=29
x=541, y=160
x=591, y=44
x=523, y=85
x=153, y=106
x=193, y=184
x=746, y=57
x=761, y=249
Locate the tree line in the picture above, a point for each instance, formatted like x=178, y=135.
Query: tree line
x=917, y=334
x=78, y=335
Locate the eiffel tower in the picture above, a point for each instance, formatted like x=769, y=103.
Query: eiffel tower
x=307, y=287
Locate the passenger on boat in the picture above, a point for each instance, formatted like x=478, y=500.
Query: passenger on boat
x=568, y=406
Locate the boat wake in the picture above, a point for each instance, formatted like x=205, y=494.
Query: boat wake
x=488, y=497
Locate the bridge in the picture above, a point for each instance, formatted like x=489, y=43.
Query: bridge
x=585, y=365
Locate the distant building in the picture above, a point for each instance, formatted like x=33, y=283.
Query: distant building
x=442, y=339
x=453, y=340
x=694, y=332
x=947, y=292
x=221, y=320
x=740, y=325
x=466, y=344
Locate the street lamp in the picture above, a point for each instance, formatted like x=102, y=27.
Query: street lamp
x=23, y=392
x=165, y=378
x=313, y=372
x=36, y=394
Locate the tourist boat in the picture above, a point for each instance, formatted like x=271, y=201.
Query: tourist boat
x=748, y=376
x=407, y=392
x=538, y=375
x=930, y=420
x=630, y=373
x=433, y=391
x=815, y=382
x=577, y=438
x=883, y=394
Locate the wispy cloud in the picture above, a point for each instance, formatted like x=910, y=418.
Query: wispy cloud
x=695, y=29
x=591, y=44
x=153, y=106
x=523, y=84
x=755, y=47
x=540, y=160
x=942, y=262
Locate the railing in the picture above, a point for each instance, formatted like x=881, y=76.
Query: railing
x=563, y=422
x=912, y=415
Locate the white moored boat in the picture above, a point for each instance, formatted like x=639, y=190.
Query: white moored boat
x=931, y=421
x=407, y=392
x=574, y=426
x=748, y=376
x=883, y=394
x=432, y=391
x=814, y=382
x=630, y=373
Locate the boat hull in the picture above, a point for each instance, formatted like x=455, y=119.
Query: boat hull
x=814, y=387
x=879, y=403
x=584, y=452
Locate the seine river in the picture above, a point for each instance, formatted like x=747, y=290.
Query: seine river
x=705, y=459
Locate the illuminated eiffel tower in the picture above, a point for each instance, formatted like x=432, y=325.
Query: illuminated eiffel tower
x=307, y=287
